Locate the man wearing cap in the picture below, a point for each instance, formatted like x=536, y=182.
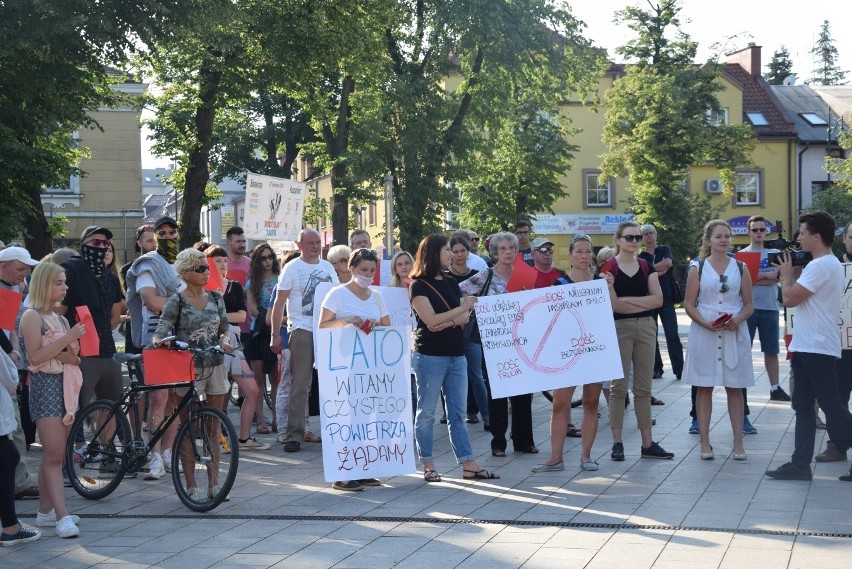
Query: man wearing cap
x=15, y=263
x=85, y=275
x=542, y=253
x=150, y=281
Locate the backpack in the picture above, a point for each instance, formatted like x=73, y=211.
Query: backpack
x=611, y=267
x=740, y=266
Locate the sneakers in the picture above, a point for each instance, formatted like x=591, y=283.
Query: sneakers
x=67, y=528
x=292, y=446
x=590, y=466
x=282, y=438
x=48, y=520
x=23, y=535
x=253, y=444
x=656, y=451
x=617, y=452
x=194, y=494
x=778, y=394
x=831, y=454
x=156, y=470
x=693, y=428
x=789, y=471
x=558, y=467
x=748, y=428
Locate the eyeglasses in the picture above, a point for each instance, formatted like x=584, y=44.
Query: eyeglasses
x=723, y=279
x=474, y=238
x=522, y=232
x=167, y=233
x=99, y=242
x=267, y=257
x=633, y=238
x=200, y=269
x=545, y=250
x=758, y=230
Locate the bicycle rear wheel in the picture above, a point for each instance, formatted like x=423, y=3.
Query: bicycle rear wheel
x=208, y=473
x=94, y=453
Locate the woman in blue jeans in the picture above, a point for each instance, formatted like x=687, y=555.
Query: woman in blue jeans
x=439, y=361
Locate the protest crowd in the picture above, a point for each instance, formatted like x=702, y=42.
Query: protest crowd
x=273, y=315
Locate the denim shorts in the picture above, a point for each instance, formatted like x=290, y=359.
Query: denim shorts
x=766, y=324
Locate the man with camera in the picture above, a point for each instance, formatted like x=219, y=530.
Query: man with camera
x=815, y=293
x=764, y=320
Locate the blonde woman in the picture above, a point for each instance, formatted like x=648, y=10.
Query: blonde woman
x=719, y=301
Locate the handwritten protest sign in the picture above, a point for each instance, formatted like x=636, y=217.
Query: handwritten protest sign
x=365, y=402
x=396, y=300
x=274, y=208
x=548, y=338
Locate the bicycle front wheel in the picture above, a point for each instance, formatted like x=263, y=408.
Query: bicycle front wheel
x=209, y=468
x=94, y=454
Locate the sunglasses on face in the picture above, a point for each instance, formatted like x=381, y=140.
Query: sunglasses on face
x=633, y=238
x=758, y=230
x=474, y=238
x=200, y=269
x=267, y=257
x=545, y=250
x=167, y=233
x=99, y=242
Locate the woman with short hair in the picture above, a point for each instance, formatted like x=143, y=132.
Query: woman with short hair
x=338, y=256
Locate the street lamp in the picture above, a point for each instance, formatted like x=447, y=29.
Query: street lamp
x=389, y=215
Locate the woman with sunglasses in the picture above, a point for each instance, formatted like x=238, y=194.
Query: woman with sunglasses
x=260, y=290
x=719, y=301
x=355, y=304
x=638, y=294
x=338, y=256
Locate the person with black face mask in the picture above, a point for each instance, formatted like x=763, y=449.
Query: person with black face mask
x=150, y=281
x=92, y=286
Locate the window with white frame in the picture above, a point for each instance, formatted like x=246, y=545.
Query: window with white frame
x=597, y=189
x=717, y=118
x=748, y=189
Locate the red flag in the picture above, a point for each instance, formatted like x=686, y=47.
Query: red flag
x=90, y=343
x=752, y=263
x=167, y=366
x=10, y=304
x=523, y=276
x=215, y=280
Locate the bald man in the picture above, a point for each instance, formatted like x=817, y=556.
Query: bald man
x=296, y=287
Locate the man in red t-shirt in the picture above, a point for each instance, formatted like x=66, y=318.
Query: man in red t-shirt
x=542, y=252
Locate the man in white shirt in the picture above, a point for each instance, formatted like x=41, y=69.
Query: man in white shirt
x=816, y=343
x=296, y=287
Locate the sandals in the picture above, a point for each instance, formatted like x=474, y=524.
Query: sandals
x=480, y=475
x=431, y=476
x=263, y=429
x=498, y=453
x=573, y=431
x=528, y=450
x=655, y=401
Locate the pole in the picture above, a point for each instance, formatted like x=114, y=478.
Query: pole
x=389, y=216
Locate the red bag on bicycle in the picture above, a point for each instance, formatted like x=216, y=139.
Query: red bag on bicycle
x=163, y=365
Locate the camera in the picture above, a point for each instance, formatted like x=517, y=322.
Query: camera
x=798, y=258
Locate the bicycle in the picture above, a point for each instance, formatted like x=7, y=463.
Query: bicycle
x=102, y=447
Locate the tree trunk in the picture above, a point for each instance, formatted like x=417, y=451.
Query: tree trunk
x=37, y=239
x=198, y=172
x=339, y=207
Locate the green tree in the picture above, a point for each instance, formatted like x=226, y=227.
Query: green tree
x=780, y=67
x=657, y=126
x=826, y=71
x=53, y=56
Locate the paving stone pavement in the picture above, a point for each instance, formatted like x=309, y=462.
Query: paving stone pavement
x=667, y=514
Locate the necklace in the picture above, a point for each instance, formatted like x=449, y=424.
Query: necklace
x=455, y=272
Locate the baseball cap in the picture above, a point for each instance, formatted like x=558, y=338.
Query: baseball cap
x=17, y=254
x=92, y=229
x=164, y=220
x=539, y=241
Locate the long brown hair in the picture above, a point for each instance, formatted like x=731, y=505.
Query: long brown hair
x=708, y=231
x=427, y=263
x=256, y=268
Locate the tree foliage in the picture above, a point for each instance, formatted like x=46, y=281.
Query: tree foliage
x=779, y=68
x=837, y=199
x=657, y=126
x=826, y=71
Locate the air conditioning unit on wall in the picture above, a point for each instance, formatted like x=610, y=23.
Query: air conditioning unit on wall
x=713, y=186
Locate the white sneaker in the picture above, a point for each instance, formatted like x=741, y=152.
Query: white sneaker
x=253, y=444
x=67, y=528
x=157, y=471
x=49, y=519
x=167, y=461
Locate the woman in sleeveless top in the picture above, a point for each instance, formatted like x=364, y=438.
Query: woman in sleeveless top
x=47, y=289
x=719, y=352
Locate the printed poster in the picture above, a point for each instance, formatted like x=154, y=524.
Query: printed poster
x=274, y=208
x=365, y=402
x=547, y=338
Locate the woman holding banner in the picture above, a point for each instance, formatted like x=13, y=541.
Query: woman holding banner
x=638, y=293
x=355, y=303
x=582, y=259
x=504, y=248
x=439, y=362
x=719, y=302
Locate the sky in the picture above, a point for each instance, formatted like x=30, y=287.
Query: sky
x=731, y=23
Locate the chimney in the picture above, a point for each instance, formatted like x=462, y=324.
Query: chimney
x=748, y=58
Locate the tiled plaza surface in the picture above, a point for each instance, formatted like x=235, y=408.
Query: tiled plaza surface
x=638, y=513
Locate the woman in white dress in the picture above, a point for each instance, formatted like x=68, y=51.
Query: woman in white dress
x=719, y=351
